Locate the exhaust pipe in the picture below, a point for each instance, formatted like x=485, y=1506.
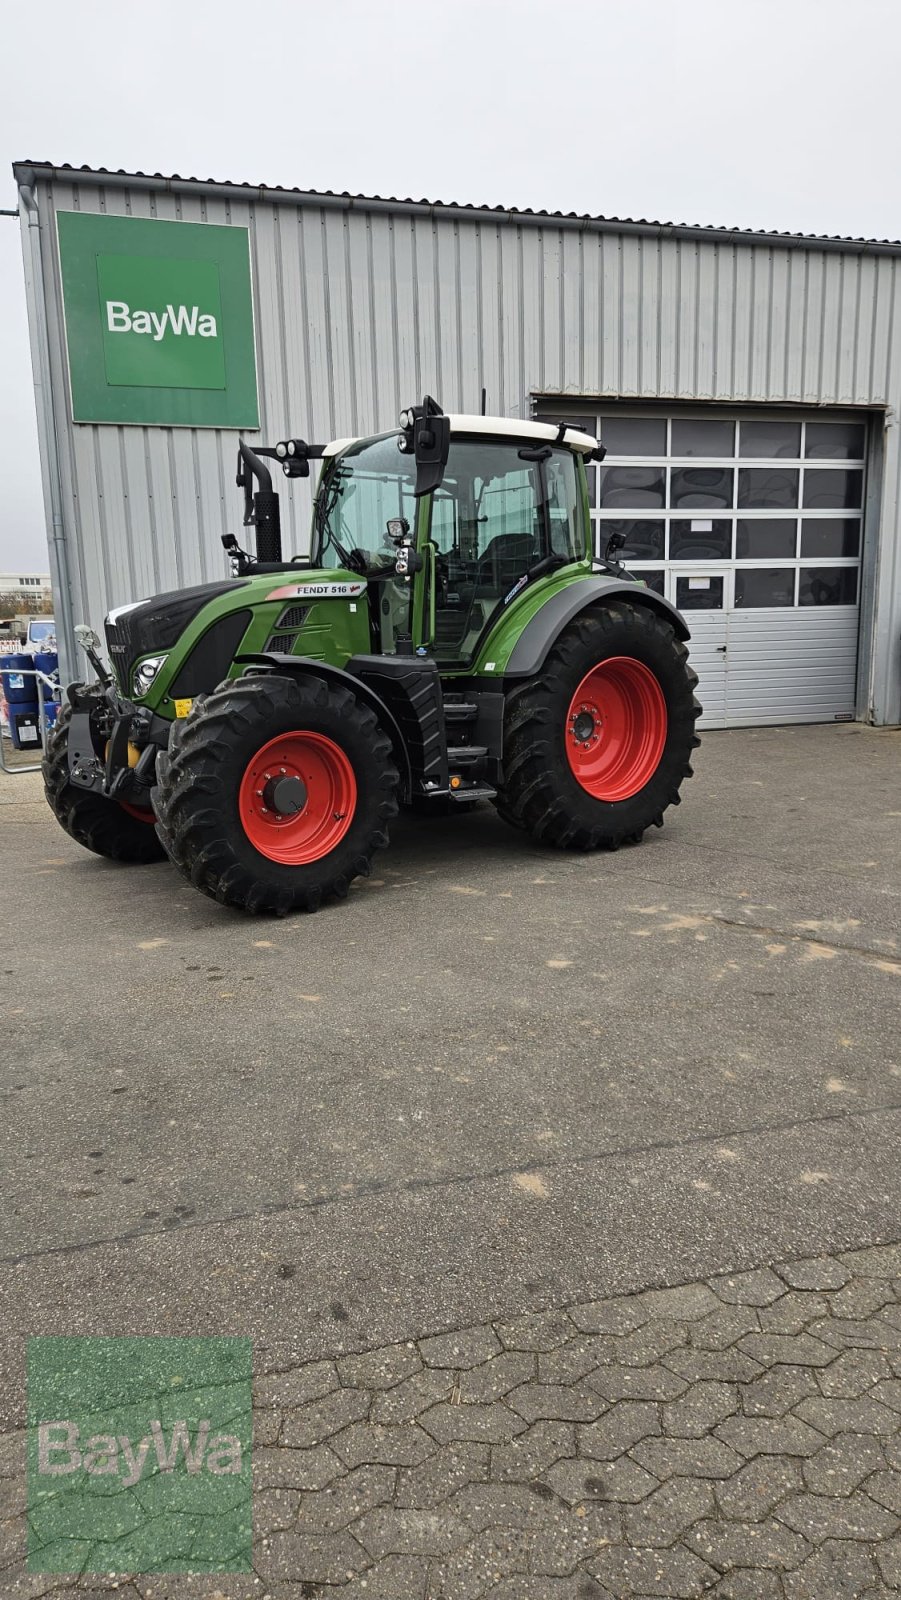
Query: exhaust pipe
x=261, y=507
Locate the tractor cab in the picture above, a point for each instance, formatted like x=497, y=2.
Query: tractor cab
x=507, y=511
x=448, y=521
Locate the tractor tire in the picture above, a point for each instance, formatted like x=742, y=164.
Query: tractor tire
x=110, y=828
x=275, y=793
x=596, y=749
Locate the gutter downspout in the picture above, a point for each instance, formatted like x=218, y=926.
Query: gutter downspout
x=47, y=436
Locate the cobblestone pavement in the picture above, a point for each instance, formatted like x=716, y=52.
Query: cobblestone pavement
x=739, y=1437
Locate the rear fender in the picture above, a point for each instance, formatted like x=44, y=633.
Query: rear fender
x=540, y=633
x=304, y=667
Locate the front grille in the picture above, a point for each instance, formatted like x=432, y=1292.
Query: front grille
x=283, y=642
x=120, y=647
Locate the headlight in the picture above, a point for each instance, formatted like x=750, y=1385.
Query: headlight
x=144, y=675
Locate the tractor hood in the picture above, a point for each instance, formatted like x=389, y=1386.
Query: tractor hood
x=156, y=624
x=200, y=628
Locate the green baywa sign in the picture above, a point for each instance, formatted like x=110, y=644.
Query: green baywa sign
x=159, y=321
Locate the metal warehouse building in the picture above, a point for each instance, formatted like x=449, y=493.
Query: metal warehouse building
x=747, y=388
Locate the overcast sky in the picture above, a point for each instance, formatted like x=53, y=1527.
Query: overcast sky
x=757, y=113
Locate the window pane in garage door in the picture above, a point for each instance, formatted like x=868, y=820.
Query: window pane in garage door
x=767, y=488
x=766, y=441
x=836, y=441
x=634, y=436
x=701, y=436
x=766, y=536
x=645, y=541
x=830, y=536
x=632, y=488
x=699, y=594
x=835, y=488
x=700, y=540
x=701, y=488
x=765, y=586
x=827, y=586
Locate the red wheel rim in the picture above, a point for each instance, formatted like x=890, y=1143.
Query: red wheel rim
x=310, y=773
x=138, y=812
x=616, y=729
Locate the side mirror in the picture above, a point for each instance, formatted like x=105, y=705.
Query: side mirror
x=426, y=430
x=86, y=637
x=431, y=446
x=614, y=545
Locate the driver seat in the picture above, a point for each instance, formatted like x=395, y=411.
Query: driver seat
x=505, y=559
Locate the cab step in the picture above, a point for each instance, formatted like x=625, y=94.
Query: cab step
x=465, y=755
x=478, y=791
x=460, y=710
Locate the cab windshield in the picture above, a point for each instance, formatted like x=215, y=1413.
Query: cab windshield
x=366, y=487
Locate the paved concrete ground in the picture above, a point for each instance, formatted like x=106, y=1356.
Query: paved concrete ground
x=499, y=1095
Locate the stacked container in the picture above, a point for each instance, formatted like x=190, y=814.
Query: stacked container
x=21, y=695
x=47, y=661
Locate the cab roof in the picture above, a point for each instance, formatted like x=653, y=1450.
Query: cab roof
x=503, y=427
x=516, y=428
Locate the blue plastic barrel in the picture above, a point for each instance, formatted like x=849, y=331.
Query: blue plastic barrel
x=46, y=661
x=24, y=724
x=17, y=689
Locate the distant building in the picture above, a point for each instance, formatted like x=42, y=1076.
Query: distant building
x=27, y=588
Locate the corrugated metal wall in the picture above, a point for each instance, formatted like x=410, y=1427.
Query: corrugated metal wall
x=360, y=311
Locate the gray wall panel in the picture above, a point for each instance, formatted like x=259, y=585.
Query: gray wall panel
x=359, y=310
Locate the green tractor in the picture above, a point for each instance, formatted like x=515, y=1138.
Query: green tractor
x=449, y=639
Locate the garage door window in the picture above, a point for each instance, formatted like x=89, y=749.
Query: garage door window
x=828, y=586
x=769, y=441
x=835, y=441
x=766, y=537
x=631, y=488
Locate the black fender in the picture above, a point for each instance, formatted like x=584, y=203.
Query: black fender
x=306, y=667
x=540, y=633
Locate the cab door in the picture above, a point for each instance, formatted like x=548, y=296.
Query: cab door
x=502, y=507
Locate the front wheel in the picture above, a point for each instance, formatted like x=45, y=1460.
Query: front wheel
x=275, y=793
x=112, y=828
x=596, y=749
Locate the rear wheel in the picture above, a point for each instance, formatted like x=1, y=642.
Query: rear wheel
x=112, y=828
x=598, y=747
x=275, y=793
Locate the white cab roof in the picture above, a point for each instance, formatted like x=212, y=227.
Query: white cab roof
x=507, y=427
x=516, y=428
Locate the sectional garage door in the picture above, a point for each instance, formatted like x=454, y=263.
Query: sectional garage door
x=752, y=525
